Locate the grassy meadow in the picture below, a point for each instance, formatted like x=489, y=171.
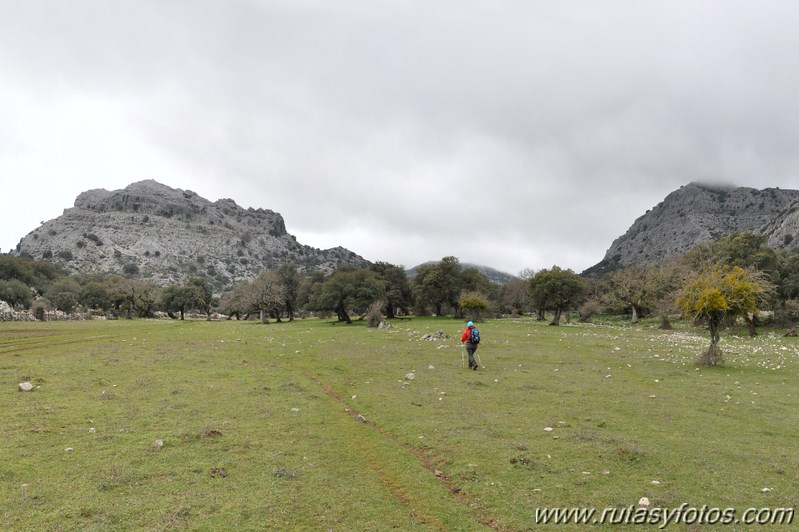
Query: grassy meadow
x=310, y=425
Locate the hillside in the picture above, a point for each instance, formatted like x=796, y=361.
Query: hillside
x=697, y=213
x=165, y=235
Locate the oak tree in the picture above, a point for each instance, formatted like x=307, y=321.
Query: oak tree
x=718, y=292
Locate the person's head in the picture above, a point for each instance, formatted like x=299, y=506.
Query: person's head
x=470, y=324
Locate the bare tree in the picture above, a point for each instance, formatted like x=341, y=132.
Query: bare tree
x=638, y=287
x=267, y=293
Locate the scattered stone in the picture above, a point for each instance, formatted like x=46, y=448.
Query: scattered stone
x=655, y=483
x=360, y=418
x=218, y=472
x=548, y=429
x=92, y=430
x=284, y=473
x=455, y=489
x=385, y=325
x=431, y=367
x=157, y=444
x=765, y=490
x=791, y=333
x=25, y=386
x=643, y=501
x=70, y=449
x=295, y=409
x=438, y=335
x=410, y=376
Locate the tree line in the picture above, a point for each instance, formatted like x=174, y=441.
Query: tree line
x=715, y=282
x=440, y=288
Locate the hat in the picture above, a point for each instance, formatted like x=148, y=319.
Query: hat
x=470, y=324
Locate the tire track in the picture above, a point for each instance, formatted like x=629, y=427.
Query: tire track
x=372, y=458
x=425, y=456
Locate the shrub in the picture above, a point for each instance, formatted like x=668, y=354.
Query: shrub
x=15, y=292
x=66, y=255
x=131, y=268
x=788, y=315
x=64, y=301
x=473, y=305
x=588, y=310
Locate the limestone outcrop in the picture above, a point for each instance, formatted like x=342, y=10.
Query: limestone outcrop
x=164, y=235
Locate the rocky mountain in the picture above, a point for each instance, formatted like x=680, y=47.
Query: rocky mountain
x=165, y=235
x=696, y=213
x=492, y=274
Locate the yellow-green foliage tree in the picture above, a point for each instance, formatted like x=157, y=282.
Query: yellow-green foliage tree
x=473, y=304
x=718, y=292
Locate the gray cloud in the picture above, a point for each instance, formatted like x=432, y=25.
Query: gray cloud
x=398, y=129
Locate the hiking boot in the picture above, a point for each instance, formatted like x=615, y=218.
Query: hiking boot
x=474, y=367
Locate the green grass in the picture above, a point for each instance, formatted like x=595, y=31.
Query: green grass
x=260, y=430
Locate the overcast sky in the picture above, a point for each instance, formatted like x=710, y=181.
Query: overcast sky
x=514, y=134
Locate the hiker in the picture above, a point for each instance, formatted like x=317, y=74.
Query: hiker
x=471, y=337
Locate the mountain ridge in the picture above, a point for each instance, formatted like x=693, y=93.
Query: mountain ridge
x=165, y=235
x=699, y=212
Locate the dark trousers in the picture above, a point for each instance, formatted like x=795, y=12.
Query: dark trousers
x=471, y=348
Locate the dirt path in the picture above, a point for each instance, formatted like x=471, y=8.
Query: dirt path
x=424, y=456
